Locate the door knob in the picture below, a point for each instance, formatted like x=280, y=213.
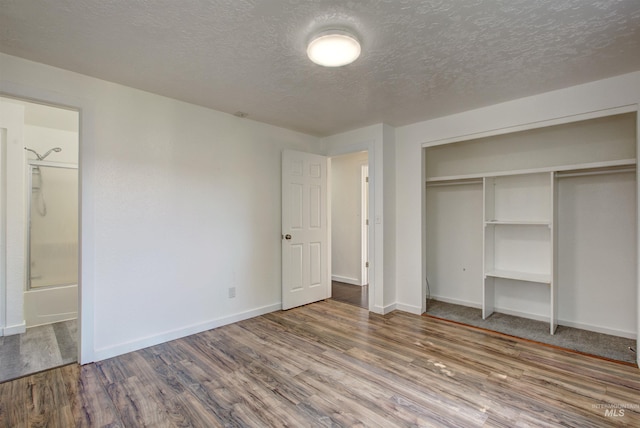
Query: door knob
x=287, y=236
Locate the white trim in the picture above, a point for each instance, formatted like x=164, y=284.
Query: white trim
x=384, y=310
x=528, y=315
x=3, y=227
x=346, y=280
x=137, y=344
x=598, y=329
x=50, y=319
x=364, y=223
x=572, y=324
x=416, y=310
x=377, y=310
x=86, y=205
x=496, y=309
x=637, y=239
x=456, y=302
x=561, y=168
x=520, y=314
x=629, y=108
x=15, y=329
x=12, y=218
x=369, y=146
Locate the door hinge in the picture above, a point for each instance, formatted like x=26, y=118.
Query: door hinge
x=366, y=179
x=366, y=264
x=366, y=222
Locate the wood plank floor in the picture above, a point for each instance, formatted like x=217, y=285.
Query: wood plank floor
x=332, y=364
x=348, y=293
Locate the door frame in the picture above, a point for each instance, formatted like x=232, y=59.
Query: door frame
x=369, y=147
x=86, y=205
x=364, y=223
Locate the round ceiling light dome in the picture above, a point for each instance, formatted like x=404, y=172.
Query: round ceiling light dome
x=333, y=48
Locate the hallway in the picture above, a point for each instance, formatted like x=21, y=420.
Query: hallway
x=353, y=294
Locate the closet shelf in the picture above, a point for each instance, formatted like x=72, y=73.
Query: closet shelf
x=591, y=167
x=519, y=239
x=520, y=276
x=517, y=223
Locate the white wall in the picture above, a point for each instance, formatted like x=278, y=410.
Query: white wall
x=545, y=109
x=12, y=212
x=346, y=217
x=454, y=254
x=179, y=203
x=389, y=217
x=597, y=253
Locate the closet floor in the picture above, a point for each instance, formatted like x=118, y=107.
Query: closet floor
x=588, y=342
x=40, y=348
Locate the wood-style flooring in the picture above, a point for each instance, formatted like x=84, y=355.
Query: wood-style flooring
x=332, y=364
x=348, y=293
x=39, y=348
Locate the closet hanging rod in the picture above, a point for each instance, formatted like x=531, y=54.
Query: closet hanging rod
x=453, y=182
x=567, y=174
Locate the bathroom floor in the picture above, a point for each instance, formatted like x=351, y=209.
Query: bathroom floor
x=40, y=348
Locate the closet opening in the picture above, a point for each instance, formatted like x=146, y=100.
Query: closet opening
x=534, y=234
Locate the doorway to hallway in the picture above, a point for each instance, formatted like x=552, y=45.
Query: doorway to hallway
x=350, y=228
x=356, y=295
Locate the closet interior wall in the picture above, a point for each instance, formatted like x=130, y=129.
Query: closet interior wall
x=594, y=244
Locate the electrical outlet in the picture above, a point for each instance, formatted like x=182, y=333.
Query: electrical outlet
x=232, y=292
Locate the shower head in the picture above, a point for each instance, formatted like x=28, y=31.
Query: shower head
x=55, y=149
x=42, y=157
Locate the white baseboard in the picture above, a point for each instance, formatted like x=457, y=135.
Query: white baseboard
x=412, y=309
x=378, y=310
x=469, y=304
x=528, y=315
x=346, y=280
x=457, y=302
x=598, y=329
x=14, y=329
x=383, y=310
x=543, y=318
x=50, y=319
x=134, y=345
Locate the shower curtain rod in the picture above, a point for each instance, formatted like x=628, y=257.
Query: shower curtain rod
x=53, y=164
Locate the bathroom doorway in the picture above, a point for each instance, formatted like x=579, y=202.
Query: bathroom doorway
x=48, y=310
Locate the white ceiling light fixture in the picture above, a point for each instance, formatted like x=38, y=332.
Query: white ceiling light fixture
x=333, y=48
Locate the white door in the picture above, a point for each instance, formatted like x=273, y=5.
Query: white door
x=305, y=232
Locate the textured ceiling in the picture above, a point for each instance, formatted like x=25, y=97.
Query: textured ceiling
x=421, y=59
